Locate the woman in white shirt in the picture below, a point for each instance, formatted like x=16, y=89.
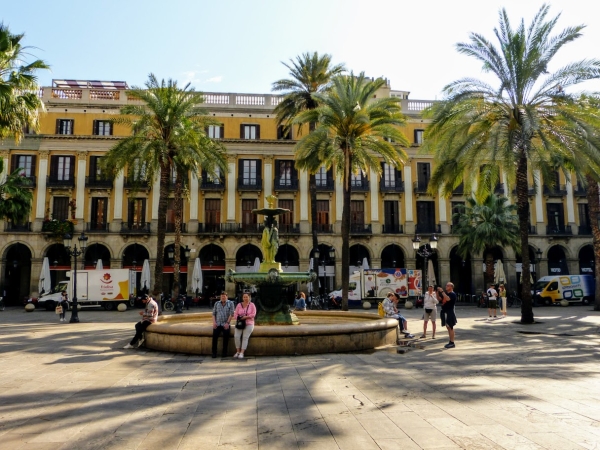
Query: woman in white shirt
x=430, y=302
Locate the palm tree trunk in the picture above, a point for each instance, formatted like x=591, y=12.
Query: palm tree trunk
x=523, y=212
x=161, y=228
x=312, y=188
x=347, y=192
x=594, y=214
x=177, y=245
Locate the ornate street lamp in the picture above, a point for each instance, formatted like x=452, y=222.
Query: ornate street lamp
x=75, y=252
x=425, y=251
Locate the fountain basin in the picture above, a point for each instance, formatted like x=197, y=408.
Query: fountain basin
x=319, y=332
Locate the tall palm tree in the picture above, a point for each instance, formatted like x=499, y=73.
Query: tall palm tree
x=168, y=122
x=20, y=104
x=484, y=225
x=522, y=123
x=350, y=135
x=310, y=74
x=15, y=196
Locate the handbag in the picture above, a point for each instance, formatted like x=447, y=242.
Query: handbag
x=240, y=323
x=428, y=310
x=59, y=309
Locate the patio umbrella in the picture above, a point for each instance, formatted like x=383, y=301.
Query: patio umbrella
x=309, y=285
x=197, y=276
x=145, y=279
x=99, y=265
x=256, y=266
x=430, y=274
x=45, y=285
x=365, y=264
x=499, y=276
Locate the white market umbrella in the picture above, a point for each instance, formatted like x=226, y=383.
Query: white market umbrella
x=145, y=278
x=365, y=264
x=256, y=266
x=430, y=274
x=99, y=265
x=197, y=276
x=45, y=284
x=499, y=275
x=309, y=285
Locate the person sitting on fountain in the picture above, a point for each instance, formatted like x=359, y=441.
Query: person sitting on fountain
x=300, y=302
x=390, y=307
x=270, y=239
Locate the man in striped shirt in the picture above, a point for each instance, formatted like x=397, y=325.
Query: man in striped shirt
x=222, y=315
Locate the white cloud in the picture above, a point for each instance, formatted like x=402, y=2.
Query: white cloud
x=216, y=79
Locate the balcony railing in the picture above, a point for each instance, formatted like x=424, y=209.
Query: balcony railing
x=213, y=185
x=564, y=230
x=286, y=184
x=428, y=228
x=584, y=230
x=460, y=190
x=96, y=182
x=555, y=191
x=325, y=185
x=532, y=229
x=499, y=189
x=391, y=185
x=185, y=182
x=392, y=229
x=54, y=181
x=135, y=228
x=135, y=183
x=171, y=228
x=254, y=228
x=580, y=191
x=17, y=227
x=360, y=228
x=96, y=227
x=361, y=185
x=530, y=191
x=420, y=187
x=289, y=228
x=324, y=228
x=29, y=182
x=249, y=184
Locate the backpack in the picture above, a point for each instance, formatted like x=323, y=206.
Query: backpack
x=380, y=310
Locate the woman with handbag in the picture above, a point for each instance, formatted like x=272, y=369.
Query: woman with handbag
x=430, y=302
x=244, y=324
x=62, y=307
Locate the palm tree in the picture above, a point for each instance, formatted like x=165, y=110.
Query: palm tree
x=19, y=101
x=521, y=124
x=15, y=197
x=169, y=124
x=310, y=74
x=350, y=135
x=483, y=225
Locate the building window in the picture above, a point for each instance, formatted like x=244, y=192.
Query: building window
x=215, y=131
x=556, y=220
x=423, y=176
x=321, y=177
x=138, y=170
x=286, y=221
x=284, y=133
x=285, y=170
x=426, y=217
x=95, y=168
x=214, y=178
x=249, y=172
x=60, y=208
x=584, y=216
x=61, y=168
x=64, y=126
x=419, y=137
x=102, y=128
x=357, y=179
x=24, y=162
x=457, y=209
x=137, y=213
x=357, y=212
x=391, y=216
x=248, y=217
x=249, y=132
x=99, y=213
x=212, y=211
x=323, y=215
x=391, y=176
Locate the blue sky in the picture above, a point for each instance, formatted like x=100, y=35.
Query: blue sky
x=238, y=46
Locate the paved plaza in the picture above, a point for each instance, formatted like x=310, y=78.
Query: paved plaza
x=504, y=386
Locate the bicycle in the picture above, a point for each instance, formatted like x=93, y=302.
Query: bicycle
x=169, y=306
x=513, y=300
x=314, y=302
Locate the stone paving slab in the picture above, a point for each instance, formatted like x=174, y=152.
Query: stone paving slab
x=505, y=386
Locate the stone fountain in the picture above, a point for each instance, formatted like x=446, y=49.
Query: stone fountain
x=270, y=281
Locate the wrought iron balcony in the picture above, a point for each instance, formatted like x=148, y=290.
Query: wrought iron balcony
x=326, y=185
x=98, y=182
x=428, y=228
x=171, y=228
x=392, y=229
x=460, y=190
x=286, y=184
x=29, y=182
x=96, y=227
x=360, y=228
x=361, y=185
x=249, y=184
x=209, y=227
x=580, y=191
x=420, y=187
x=135, y=183
x=391, y=185
x=53, y=181
x=584, y=230
x=555, y=191
x=324, y=228
x=289, y=228
x=212, y=185
x=530, y=191
x=17, y=227
x=532, y=229
x=135, y=228
x=559, y=230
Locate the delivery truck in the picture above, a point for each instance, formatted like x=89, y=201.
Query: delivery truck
x=551, y=290
x=106, y=288
x=376, y=284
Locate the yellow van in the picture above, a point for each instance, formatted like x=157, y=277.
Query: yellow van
x=573, y=288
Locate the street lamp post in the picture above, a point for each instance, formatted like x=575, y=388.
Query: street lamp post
x=425, y=251
x=75, y=252
x=538, y=261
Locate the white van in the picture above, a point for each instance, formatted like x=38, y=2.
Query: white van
x=551, y=290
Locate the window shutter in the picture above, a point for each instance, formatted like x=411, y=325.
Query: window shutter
x=241, y=168
x=110, y=128
x=258, y=169
x=54, y=166
x=277, y=168
x=143, y=212
x=294, y=172
x=72, y=168
x=33, y=172
x=222, y=134
x=57, y=126
x=130, y=212
x=257, y=131
x=95, y=128
x=13, y=163
x=93, y=164
x=242, y=131
x=72, y=126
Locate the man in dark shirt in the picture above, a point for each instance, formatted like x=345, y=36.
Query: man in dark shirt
x=448, y=315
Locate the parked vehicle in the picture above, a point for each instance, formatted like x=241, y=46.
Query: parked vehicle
x=551, y=290
x=106, y=288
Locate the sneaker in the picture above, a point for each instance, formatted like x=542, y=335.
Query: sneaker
x=449, y=345
x=423, y=337
x=128, y=346
x=236, y=355
x=433, y=337
x=140, y=342
x=241, y=356
x=409, y=336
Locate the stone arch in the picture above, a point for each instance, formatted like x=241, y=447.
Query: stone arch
x=557, y=260
x=357, y=253
x=17, y=272
x=247, y=253
x=391, y=253
x=586, y=260
x=97, y=251
x=461, y=273
x=288, y=252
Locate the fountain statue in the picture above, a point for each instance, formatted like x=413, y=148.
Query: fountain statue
x=270, y=281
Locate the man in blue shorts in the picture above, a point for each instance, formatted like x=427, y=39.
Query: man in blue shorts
x=448, y=315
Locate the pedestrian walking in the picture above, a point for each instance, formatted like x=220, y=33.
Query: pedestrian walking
x=492, y=301
x=149, y=316
x=64, y=306
x=502, y=295
x=222, y=315
x=244, y=324
x=430, y=302
x=448, y=314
